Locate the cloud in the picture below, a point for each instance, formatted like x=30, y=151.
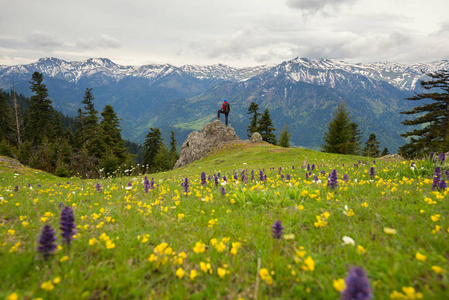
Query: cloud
x=104, y=41
x=41, y=39
x=315, y=6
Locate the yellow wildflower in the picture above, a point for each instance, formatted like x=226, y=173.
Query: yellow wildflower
x=437, y=269
x=180, y=273
x=193, y=274
x=221, y=272
x=339, y=284
x=420, y=257
x=47, y=285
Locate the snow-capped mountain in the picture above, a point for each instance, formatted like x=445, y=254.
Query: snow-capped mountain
x=315, y=71
x=329, y=71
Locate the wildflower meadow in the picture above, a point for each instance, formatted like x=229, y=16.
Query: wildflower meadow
x=247, y=222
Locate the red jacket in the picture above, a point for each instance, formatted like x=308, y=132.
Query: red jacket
x=223, y=107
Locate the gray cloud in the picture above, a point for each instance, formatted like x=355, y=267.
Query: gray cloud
x=314, y=6
x=43, y=40
x=104, y=41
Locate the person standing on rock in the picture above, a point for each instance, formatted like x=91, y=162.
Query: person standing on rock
x=225, y=108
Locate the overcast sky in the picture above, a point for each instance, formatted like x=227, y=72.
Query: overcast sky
x=234, y=32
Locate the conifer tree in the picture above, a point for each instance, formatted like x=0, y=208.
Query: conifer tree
x=371, y=148
x=253, y=126
x=431, y=132
x=152, y=144
x=266, y=128
x=6, y=120
x=110, y=128
x=284, y=138
x=337, y=137
x=40, y=116
x=385, y=152
x=174, y=156
x=88, y=131
x=356, y=135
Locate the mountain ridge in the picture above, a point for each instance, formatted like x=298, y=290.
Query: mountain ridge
x=302, y=93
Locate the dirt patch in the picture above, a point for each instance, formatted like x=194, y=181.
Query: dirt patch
x=278, y=150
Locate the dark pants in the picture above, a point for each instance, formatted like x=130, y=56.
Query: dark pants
x=226, y=115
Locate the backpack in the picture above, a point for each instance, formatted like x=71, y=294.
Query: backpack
x=228, y=108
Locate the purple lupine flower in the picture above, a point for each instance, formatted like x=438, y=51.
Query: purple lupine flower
x=203, y=178
x=16, y=188
x=209, y=178
x=146, y=185
x=236, y=177
x=323, y=173
x=372, y=173
x=67, y=224
x=431, y=156
x=225, y=178
x=261, y=177
x=441, y=157
x=47, y=241
x=308, y=167
x=436, y=178
x=186, y=185
x=61, y=204
x=357, y=285
x=313, y=167
x=219, y=175
x=412, y=165
x=216, y=180
x=288, y=177
x=223, y=191
x=98, y=188
x=332, y=182
x=282, y=177
x=130, y=183
x=447, y=174
x=442, y=185
x=244, y=177
x=39, y=185
x=315, y=178
x=293, y=167
x=374, y=162
x=252, y=175
x=152, y=184
x=279, y=170
x=265, y=177
x=345, y=178
x=356, y=165
x=278, y=229
x=307, y=175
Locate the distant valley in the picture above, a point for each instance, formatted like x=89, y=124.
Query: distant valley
x=301, y=93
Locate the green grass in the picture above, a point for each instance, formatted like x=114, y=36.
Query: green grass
x=136, y=225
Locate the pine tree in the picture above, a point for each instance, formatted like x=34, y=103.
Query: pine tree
x=266, y=128
x=284, y=138
x=337, y=137
x=152, y=144
x=356, y=135
x=432, y=121
x=6, y=120
x=371, y=148
x=162, y=159
x=174, y=156
x=88, y=131
x=40, y=116
x=385, y=152
x=110, y=128
x=252, y=110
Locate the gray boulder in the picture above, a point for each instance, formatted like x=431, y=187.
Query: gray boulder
x=256, y=138
x=199, y=144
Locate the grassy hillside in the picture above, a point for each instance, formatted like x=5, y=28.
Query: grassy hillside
x=205, y=245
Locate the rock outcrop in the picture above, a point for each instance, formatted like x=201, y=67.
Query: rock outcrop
x=199, y=144
x=256, y=138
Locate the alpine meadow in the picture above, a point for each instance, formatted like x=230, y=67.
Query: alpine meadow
x=85, y=214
